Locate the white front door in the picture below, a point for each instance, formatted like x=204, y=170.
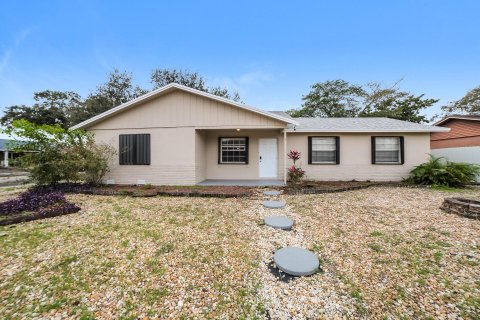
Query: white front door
x=267, y=149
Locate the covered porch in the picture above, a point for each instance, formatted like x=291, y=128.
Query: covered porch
x=240, y=157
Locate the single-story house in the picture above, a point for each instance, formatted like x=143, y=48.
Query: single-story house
x=177, y=135
x=7, y=154
x=461, y=143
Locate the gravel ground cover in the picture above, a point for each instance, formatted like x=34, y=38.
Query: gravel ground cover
x=129, y=258
x=384, y=253
x=395, y=252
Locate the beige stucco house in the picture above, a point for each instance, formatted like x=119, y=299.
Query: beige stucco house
x=176, y=135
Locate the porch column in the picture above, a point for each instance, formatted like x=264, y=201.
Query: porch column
x=5, y=158
x=284, y=156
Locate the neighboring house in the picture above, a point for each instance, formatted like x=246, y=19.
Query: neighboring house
x=6, y=152
x=461, y=143
x=181, y=136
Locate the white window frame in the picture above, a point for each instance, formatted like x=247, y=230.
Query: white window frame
x=399, y=151
x=334, y=149
x=244, y=147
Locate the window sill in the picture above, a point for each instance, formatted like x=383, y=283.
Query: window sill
x=388, y=164
x=324, y=164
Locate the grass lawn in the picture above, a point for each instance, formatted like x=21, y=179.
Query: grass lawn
x=385, y=252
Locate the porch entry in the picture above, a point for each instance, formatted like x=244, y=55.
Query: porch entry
x=268, y=158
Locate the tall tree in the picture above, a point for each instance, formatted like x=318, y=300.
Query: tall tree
x=118, y=89
x=338, y=98
x=163, y=77
x=333, y=98
x=468, y=104
x=50, y=107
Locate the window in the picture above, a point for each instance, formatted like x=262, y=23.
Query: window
x=134, y=149
x=387, y=150
x=323, y=150
x=233, y=150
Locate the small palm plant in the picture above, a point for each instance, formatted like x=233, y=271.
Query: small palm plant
x=441, y=172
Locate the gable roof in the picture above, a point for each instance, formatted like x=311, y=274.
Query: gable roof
x=360, y=125
x=459, y=117
x=169, y=88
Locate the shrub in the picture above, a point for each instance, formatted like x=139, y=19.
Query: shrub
x=295, y=174
x=440, y=172
x=54, y=154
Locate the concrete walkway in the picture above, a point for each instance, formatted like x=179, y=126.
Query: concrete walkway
x=243, y=183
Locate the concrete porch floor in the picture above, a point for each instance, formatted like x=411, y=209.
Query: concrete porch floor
x=243, y=183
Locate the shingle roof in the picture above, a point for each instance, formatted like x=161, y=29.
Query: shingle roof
x=473, y=117
x=281, y=113
x=360, y=125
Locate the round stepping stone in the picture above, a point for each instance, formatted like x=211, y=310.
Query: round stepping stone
x=272, y=193
x=274, y=204
x=296, y=261
x=279, y=222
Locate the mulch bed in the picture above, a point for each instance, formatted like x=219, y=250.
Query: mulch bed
x=151, y=191
x=317, y=187
x=31, y=216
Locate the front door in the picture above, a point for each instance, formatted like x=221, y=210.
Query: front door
x=267, y=149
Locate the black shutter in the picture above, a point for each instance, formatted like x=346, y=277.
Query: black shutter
x=134, y=149
x=337, y=150
x=219, y=149
x=122, y=148
x=402, y=150
x=246, y=150
x=309, y=150
x=373, y=151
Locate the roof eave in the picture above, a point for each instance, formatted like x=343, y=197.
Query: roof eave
x=455, y=117
x=367, y=131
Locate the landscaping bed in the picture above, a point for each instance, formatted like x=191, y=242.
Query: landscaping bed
x=35, y=204
x=318, y=187
x=151, y=191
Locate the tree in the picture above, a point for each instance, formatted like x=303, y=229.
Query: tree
x=53, y=154
x=468, y=104
x=333, y=98
x=51, y=107
x=163, y=77
x=338, y=98
x=118, y=89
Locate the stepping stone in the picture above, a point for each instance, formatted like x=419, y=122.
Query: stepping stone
x=272, y=193
x=296, y=261
x=279, y=222
x=274, y=204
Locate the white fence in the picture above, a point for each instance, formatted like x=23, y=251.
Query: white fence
x=463, y=154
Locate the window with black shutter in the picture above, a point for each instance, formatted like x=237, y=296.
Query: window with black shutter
x=323, y=150
x=134, y=149
x=388, y=150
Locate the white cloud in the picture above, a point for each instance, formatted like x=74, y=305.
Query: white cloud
x=7, y=55
x=243, y=82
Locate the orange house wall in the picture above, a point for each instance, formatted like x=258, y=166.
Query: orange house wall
x=463, y=133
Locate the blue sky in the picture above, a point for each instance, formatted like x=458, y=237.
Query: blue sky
x=269, y=51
